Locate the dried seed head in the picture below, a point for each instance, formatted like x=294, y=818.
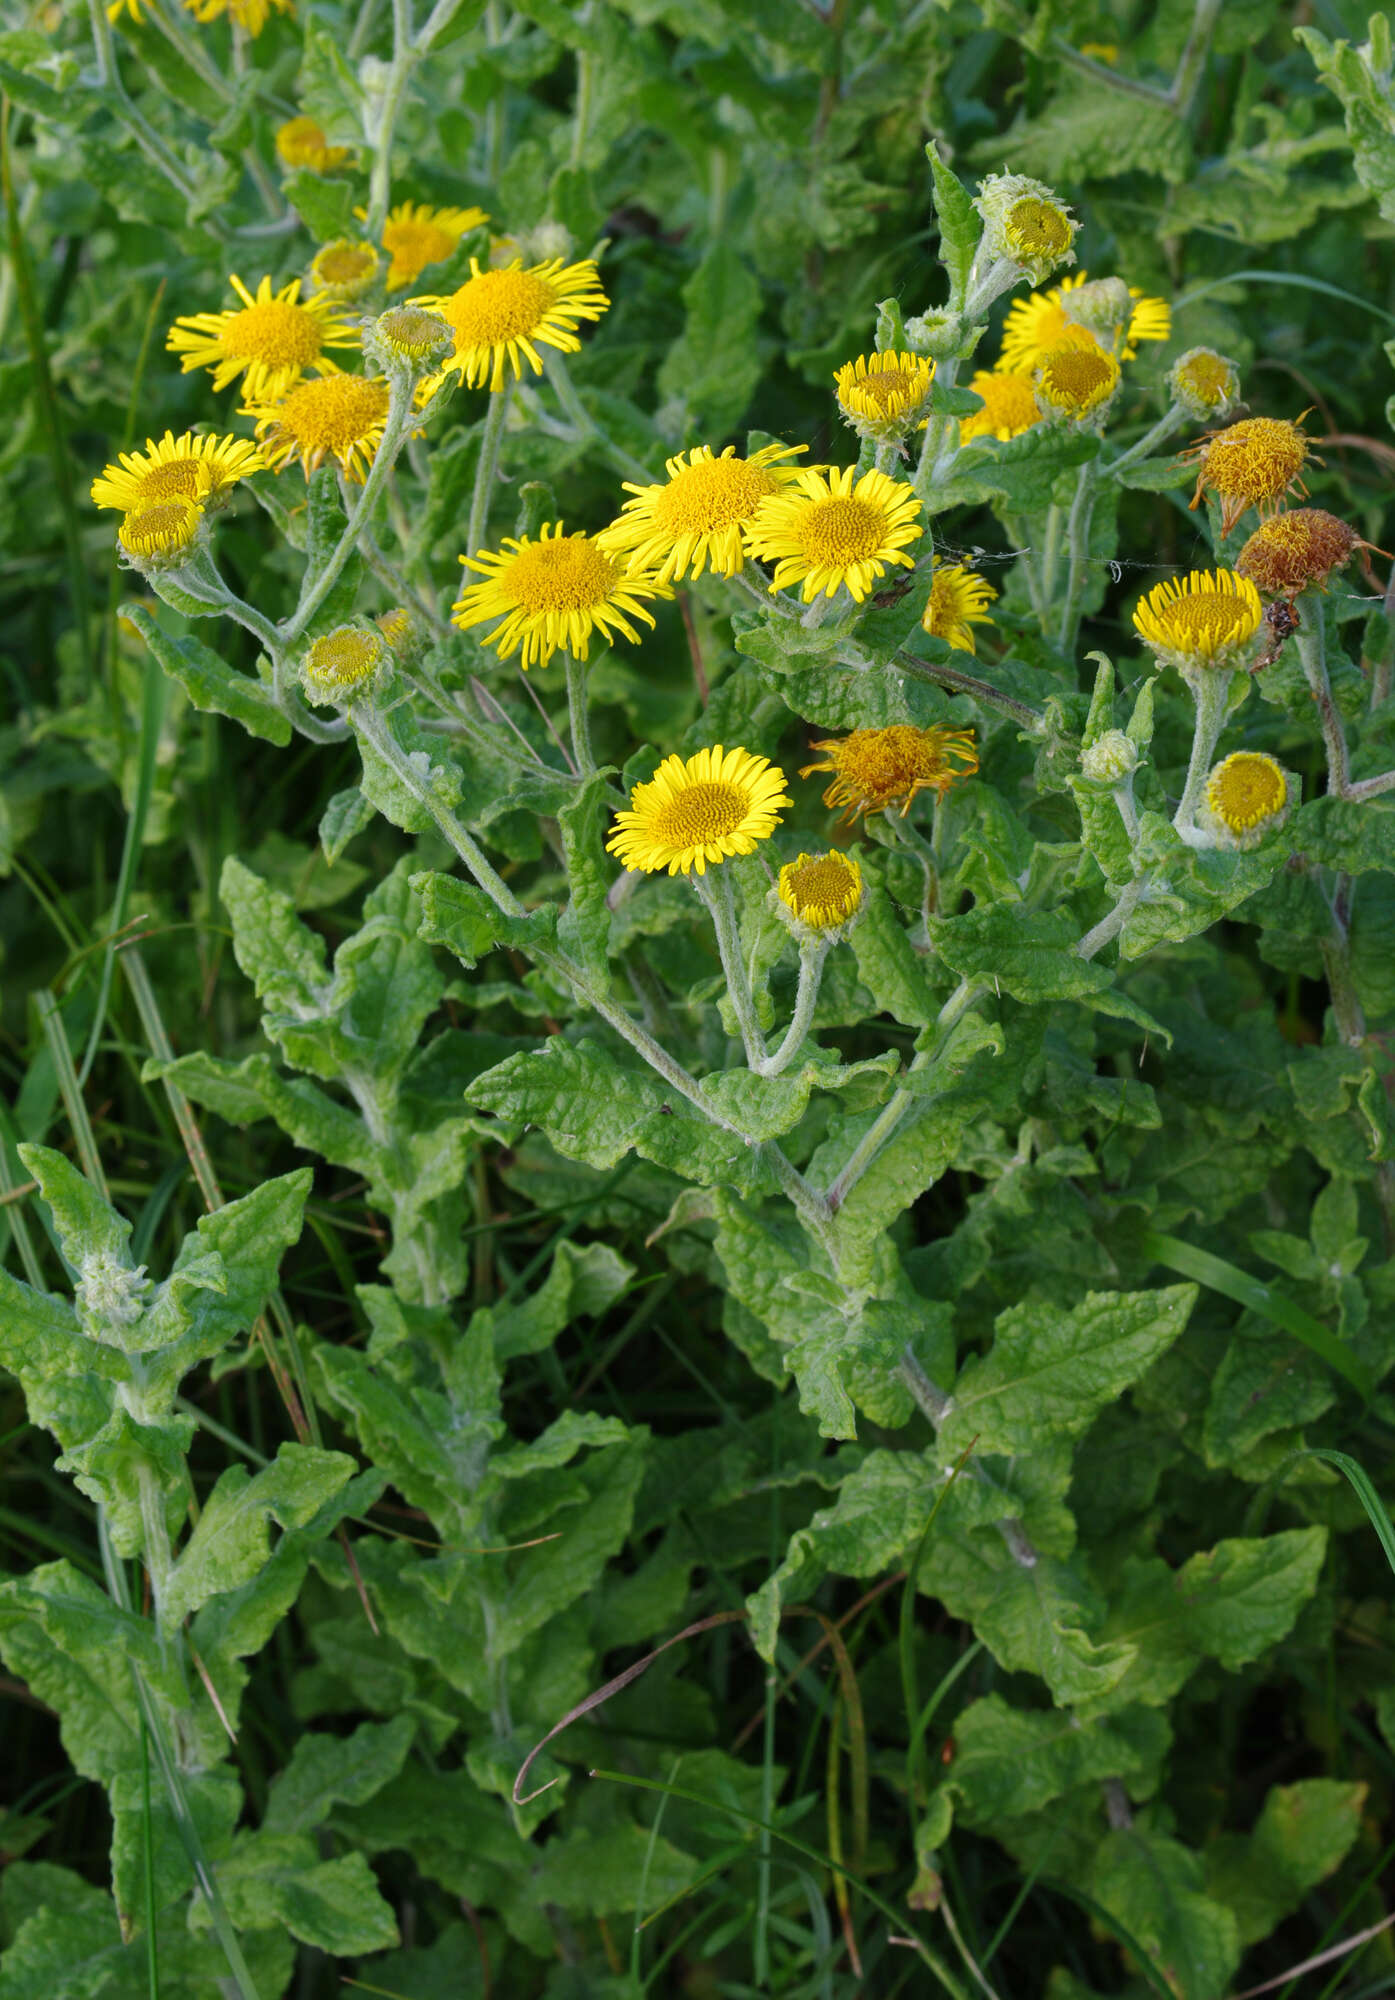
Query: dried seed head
x=1296, y=549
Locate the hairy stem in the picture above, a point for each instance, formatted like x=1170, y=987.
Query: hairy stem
x=1312, y=652
x=1031, y=719
x=1211, y=692
x=579, y=715
x=317, y=589
x=1078, y=548
x=485, y=472
x=716, y=891
x=811, y=962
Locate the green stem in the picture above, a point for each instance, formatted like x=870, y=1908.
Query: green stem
x=806, y=999
x=1109, y=926
x=936, y=431
x=316, y=590
x=901, y=1101
x=1211, y=692
x=1193, y=57
x=716, y=891
x=579, y=714
x=1148, y=443
x=581, y=117
x=1078, y=545
x=1312, y=652
x=371, y=726
x=491, y=438
x=585, y=425
x=404, y=60
x=1021, y=712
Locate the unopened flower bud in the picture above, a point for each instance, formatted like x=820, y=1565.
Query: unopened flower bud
x=110, y=1296
x=1103, y=306
x=1111, y=758
x=345, y=665
x=1204, y=383
x=1025, y=222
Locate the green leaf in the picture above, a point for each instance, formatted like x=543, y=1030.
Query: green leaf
x=74, y=1649
x=327, y=1771
x=346, y=816
x=462, y=918
x=278, y=1879
x=325, y=206
x=88, y=1226
x=960, y=227
x=583, y=929
x=1010, y=1761
x=888, y=965
x=713, y=367
x=1365, y=98
x=230, y=1541
x=583, y=1280
x=1030, y=955
x=211, y=684
x=1304, y=1832
x=1154, y=1886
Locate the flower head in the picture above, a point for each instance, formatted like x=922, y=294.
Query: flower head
x=883, y=395
x=552, y=591
x=1250, y=464
x=1295, y=549
x=1205, y=620
x=1204, y=383
x=694, y=520
x=187, y=467
x=344, y=269
x=271, y=339
x=1075, y=382
x=1247, y=795
x=958, y=601
x=1009, y=405
x=1024, y=222
x=831, y=528
x=344, y=665
x=416, y=235
x=1036, y=324
x=336, y=416
x=822, y=892
x=502, y=317
x=403, y=632
x=249, y=15
x=300, y=142
x=408, y=336
x=110, y=1296
x=693, y=814
x=876, y=768
x=161, y=532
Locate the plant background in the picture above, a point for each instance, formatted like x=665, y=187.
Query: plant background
x=759, y=171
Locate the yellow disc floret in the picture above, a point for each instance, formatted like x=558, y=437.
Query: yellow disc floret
x=338, y=416
x=831, y=528
x=1247, y=790
x=187, y=467
x=271, y=340
x=694, y=520
x=551, y=592
x=958, y=601
x=415, y=235
x=876, y=768
x=500, y=318
x=1251, y=464
x=161, y=528
x=1206, y=619
x=1025, y=223
x=883, y=395
x=300, y=142
x=1076, y=382
x=344, y=269
x=1009, y=406
x=343, y=665
x=823, y=891
x=1204, y=383
x=693, y=814
x=1300, y=547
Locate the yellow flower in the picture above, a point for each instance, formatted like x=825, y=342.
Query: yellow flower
x=958, y=601
x=186, y=468
x=1206, y=619
x=876, y=768
x=1105, y=52
x=271, y=338
x=117, y=8
x=553, y=592
x=343, y=269
x=693, y=522
x=1247, y=790
x=1297, y=548
x=160, y=528
x=337, y=416
x=830, y=528
x=503, y=316
x=300, y=142
x=882, y=395
x=823, y=891
x=1009, y=406
x=1250, y=464
x=1036, y=324
x=694, y=814
x=1024, y=222
x=249, y=15
x=399, y=628
x=416, y=235
x=1075, y=382
x=1204, y=383
x=343, y=665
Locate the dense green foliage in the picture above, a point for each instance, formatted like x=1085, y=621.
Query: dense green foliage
x=423, y=1297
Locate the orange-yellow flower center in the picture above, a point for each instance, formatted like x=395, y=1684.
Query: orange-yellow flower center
x=875, y=768
x=821, y=889
x=332, y=413
x=1247, y=788
x=568, y=573
x=344, y=658
x=1077, y=378
x=1036, y=228
x=176, y=478
x=1209, y=614
x=710, y=494
x=1256, y=461
x=1208, y=376
x=707, y=811
x=886, y=389
x=169, y=524
x=1295, y=549
x=345, y=263
x=496, y=307
x=274, y=332
x=841, y=530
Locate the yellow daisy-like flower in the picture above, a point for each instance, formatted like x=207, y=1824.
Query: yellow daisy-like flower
x=344, y=269
x=1251, y=464
x=1075, y=382
x=416, y=235
x=1206, y=619
x=957, y=602
x=882, y=395
x=501, y=317
x=300, y=142
x=182, y=468
x=337, y=416
x=160, y=528
x=344, y=665
x=1025, y=222
x=552, y=592
x=830, y=528
x=1204, y=383
x=1036, y=324
x=693, y=814
x=1247, y=790
x=1009, y=406
x=272, y=339
x=694, y=521
x=876, y=768
x=1300, y=547
x=398, y=627
x=249, y=15
x=822, y=891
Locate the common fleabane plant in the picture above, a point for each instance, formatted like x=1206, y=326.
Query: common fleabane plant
x=886, y=911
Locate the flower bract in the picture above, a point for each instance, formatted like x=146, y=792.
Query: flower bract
x=416, y=235
x=344, y=665
x=958, y=601
x=300, y=142
x=1250, y=464
x=876, y=768
x=1009, y=405
x=333, y=416
x=160, y=528
x=1205, y=620
x=1298, y=548
x=692, y=814
x=822, y=891
x=831, y=528
x=552, y=591
x=500, y=318
x=408, y=333
x=187, y=468
x=882, y=395
x=271, y=339
x=694, y=520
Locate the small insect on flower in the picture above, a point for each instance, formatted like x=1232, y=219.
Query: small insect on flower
x=692, y=815
x=500, y=318
x=694, y=521
x=1281, y=621
x=416, y=235
x=1204, y=383
x=831, y=528
x=300, y=142
x=1297, y=550
x=249, y=15
x=1251, y=464
x=1076, y=383
x=822, y=892
x=271, y=339
x=1247, y=793
x=552, y=591
x=1009, y=405
x=337, y=416
x=344, y=269
x=884, y=395
x=1024, y=222
x=345, y=665
x=1206, y=620
x=958, y=601
x=200, y=469
x=1036, y=324
x=876, y=768
x=161, y=533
